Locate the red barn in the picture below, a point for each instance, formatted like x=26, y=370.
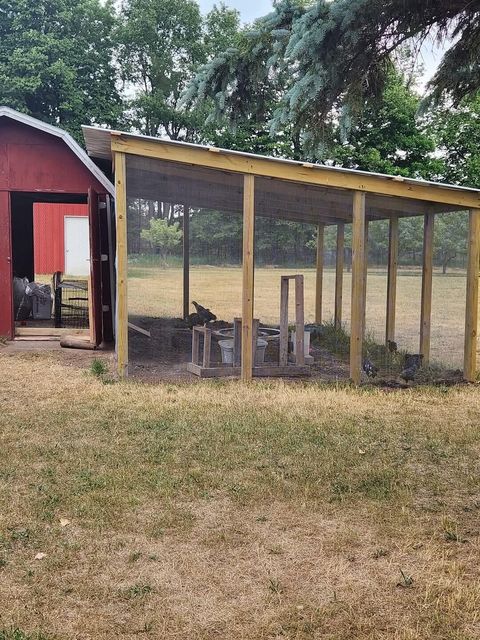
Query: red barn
x=40, y=163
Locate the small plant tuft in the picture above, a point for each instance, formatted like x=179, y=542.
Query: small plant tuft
x=98, y=368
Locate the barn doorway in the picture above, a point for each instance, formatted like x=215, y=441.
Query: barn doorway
x=50, y=263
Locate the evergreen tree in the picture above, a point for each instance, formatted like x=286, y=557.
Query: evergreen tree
x=336, y=54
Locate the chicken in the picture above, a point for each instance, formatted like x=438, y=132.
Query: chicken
x=193, y=320
x=205, y=315
x=412, y=363
x=413, y=360
x=409, y=373
x=392, y=346
x=370, y=369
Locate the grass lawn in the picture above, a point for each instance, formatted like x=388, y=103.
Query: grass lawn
x=158, y=292
x=214, y=510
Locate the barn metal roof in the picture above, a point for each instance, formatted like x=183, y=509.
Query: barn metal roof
x=29, y=121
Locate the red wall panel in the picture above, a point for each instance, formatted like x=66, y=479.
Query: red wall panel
x=49, y=234
x=6, y=308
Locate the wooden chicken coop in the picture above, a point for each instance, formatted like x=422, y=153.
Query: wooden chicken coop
x=196, y=177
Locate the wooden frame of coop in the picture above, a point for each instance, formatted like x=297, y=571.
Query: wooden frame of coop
x=304, y=192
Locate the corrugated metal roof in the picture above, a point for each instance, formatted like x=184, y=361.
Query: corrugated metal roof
x=23, y=118
x=98, y=144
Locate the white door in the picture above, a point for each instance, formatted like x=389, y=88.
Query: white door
x=77, y=246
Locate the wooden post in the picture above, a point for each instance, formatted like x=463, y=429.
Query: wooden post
x=365, y=279
x=392, y=279
x=186, y=260
x=358, y=289
x=247, y=276
x=237, y=342
x=283, y=359
x=427, y=274
x=122, y=300
x=471, y=310
x=207, y=346
x=299, y=322
x=339, y=274
x=319, y=274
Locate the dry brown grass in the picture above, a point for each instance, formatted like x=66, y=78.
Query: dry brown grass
x=217, y=510
x=158, y=292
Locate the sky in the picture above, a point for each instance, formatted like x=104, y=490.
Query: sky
x=249, y=9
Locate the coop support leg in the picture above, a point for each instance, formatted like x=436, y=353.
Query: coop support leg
x=358, y=289
x=319, y=273
x=471, y=311
x=339, y=274
x=392, y=279
x=427, y=275
x=186, y=260
x=365, y=279
x=121, y=231
x=247, y=276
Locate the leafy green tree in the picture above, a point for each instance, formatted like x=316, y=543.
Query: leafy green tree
x=163, y=236
x=56, y=61
x=457, y=132
x=388, y=137
x=450, y=238
x=162, y=45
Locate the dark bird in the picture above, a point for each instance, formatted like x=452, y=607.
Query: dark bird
x=205, y=315
x=409, y=373
x=413, y=360
x=370, y=369
x=193, y=320
x=392, y=346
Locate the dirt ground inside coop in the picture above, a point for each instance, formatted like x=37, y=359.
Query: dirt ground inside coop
x=165, y=354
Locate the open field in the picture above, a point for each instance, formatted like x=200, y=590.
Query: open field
x=215, y=510
x=158, y=292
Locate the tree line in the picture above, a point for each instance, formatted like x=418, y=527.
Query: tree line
x=160, y=67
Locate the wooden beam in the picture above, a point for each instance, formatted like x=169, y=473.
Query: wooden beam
x=297, y=172
x=427, y=281
x=358, y=275
x=365, y=279
x=471, y=310
x=339, y=262
x=299, y=321
x=392, y=279
x=319, y=273
x=186, y=260
x=121, y=234
x=247, y=276
x=283, y=355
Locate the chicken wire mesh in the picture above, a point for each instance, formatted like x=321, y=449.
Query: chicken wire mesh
x=167, y=201
x=179, y=214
